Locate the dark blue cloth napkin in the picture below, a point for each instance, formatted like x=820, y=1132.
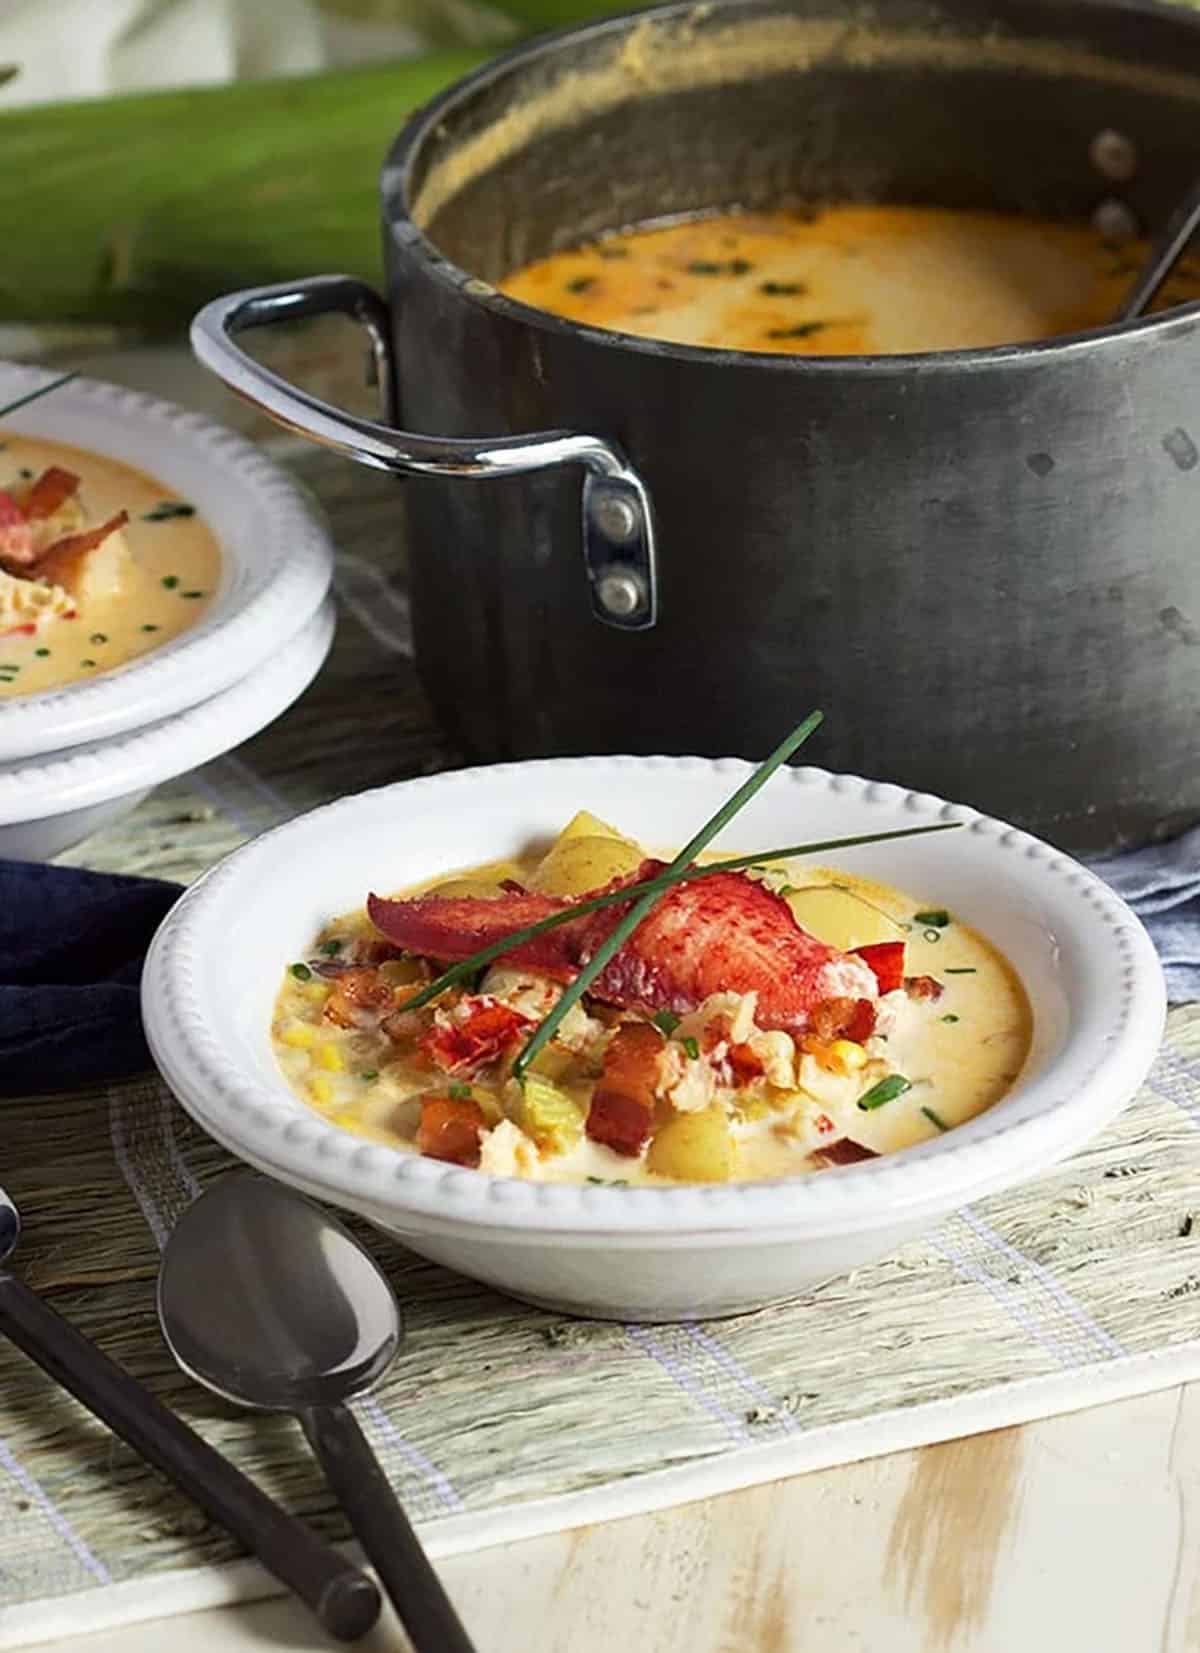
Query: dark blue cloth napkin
x=71, y=951
x=1162, y=885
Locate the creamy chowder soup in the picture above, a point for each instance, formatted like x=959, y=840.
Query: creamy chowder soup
x=760, y=1023
x=99, y=563
x=846, y=280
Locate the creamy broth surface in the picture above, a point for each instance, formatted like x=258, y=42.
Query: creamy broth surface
x=957, y=1033
x=166, y=583
x=845, y=280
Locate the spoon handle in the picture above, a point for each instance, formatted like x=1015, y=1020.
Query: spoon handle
x=384, y=1531
x=343, y=1598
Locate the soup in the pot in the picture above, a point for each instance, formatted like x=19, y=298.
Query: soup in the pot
x=845, y=280
x=99, y=563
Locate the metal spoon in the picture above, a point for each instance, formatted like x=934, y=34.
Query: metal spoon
x=273, y=1304
x=1170, y=246
x=343, y=1597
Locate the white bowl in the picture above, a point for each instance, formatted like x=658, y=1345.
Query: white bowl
x=47, y=807
x=277, y=560
x=648, y=1253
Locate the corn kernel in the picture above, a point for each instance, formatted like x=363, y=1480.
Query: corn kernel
x=844, y=1056
x=315, y=991
x=320, y=1088
x=329, y=1057
x=300, y=1035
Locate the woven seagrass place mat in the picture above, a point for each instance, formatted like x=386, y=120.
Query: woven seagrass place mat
x=498, y=1420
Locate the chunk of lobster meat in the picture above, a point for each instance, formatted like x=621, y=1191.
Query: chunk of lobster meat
x=451, y=1129
x=621, y=1115
x=16, y=535
x=724, y=933
x=457, y=927
x=477, y=1031
x=49, y=493
x=359, y=998
x=90, y=565
x=886, y=961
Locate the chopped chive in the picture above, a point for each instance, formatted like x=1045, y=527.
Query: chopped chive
x=802, y=330
x=301, y=972
x=960, y=970
x=666, y=1021
x=41, y=653
x=149, y=628
x=369, y=1073
x=581, y=284
x=87, y=662
x=170, y=581
x=168, y=508
x=465, y=969
x=708, y=266
x=950, y=1018
x=610, y=1182
x=934, y=1119
x=612, y=252
x=192, y=594
x=330, y=948
x=937, y=918
x=460, y=1093
x=25, y=474
x=782, y=289
x=98, y=637
x=10, y=668
x=692, y=1048
x=546, y=1030
x=32, y=395
x=887, y=1090
x=785, y=890
x=932, y=934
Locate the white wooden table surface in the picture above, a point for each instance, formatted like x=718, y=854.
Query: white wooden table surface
x=1076, y=1533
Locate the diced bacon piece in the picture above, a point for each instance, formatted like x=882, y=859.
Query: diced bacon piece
x=923, y=987
x=16, y=536
x=51, y=491
x=844, y=1152
x=843, y=1019
x=886, y=959
x=621, y=1115
x=450, y=1129
x=744, y=1064
x=358, y=996
x=487, y=1030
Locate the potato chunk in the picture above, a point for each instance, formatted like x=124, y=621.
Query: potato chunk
x=693, y=1147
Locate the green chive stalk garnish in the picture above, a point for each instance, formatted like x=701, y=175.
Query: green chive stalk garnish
x=42, y=654
x=937, y=919
x=33, y=395
x=466, y=968
x=960, y=970
x=330, y=948
x=887, y=1090
x=546, y=1030
x=950, y=1018
x=369, y=1073
x=666, y=1021
x=460, y=1093
x=693, y=1049
x=934, y=1119
x=170, y=581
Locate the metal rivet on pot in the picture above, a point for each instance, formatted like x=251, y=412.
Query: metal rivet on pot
x=620, y=593
x=1115, y=221
x=1113, y=155
x=616, y=518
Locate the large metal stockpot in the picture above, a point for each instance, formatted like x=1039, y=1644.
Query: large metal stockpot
x=984, y=564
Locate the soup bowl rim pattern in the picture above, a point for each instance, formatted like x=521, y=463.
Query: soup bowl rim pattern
x=221, y=1067
x=277, y=560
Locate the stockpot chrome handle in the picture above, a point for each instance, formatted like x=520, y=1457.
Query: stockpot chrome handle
x=618, y=526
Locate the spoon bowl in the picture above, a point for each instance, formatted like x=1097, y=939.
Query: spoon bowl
x=271, y=1303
